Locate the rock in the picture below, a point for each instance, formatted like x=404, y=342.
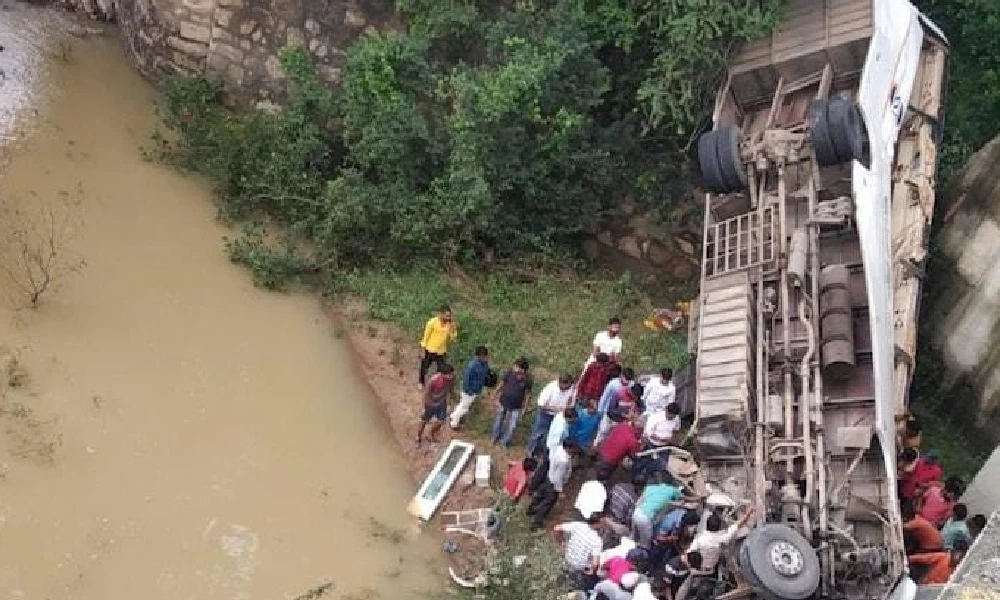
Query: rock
x=273, y=67
x=294, y=37
x=228, y=52
x=604, y=237
x=328, y=74
x=312, y=26
x=247, y=27
x=355, y=19
x=321, y=51
x=630, y=246
x=198, y=33
x=194, y=49
x=230, y=2
x=682, y=270
x=235, y=73
x=657, y=254
x=200, y=5
x=82, y=32
x=686, y=246
x=257, y=36
x=268, y=107
x=223, y=17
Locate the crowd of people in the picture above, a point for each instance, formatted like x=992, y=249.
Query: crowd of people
x=937, y=527
x=636, y=537
x=641, y=534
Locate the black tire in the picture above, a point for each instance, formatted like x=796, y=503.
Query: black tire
x=708, y=164
x=846, y=128
x=780, y=563
x=819, y=132
x=727, y=148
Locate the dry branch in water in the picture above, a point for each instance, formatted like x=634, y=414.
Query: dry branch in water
x=36, y=248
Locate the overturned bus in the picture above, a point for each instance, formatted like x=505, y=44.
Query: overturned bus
x=819, y=172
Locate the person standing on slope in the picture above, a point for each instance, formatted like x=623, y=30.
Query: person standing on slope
x=474, y=380
x=608, y=341
x=439, y=332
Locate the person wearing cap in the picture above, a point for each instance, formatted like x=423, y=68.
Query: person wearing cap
x=616, y=591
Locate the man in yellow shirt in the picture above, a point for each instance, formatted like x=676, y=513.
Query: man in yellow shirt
x=439, y=331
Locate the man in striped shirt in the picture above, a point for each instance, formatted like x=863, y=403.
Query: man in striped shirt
x=581, y=544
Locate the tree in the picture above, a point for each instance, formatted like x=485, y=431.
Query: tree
x=36, y=254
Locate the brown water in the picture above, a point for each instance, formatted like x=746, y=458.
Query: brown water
x=179, y=434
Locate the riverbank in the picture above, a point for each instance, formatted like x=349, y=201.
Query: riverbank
x=548, y=318
x=170, y=430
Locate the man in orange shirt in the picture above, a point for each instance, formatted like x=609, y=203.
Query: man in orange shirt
x=938, y=566
x=926, y=537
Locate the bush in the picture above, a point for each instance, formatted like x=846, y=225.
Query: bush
x=483, y=132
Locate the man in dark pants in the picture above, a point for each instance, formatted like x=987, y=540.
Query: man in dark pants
x=439, y=332
x=436, y=401
x=560, y=466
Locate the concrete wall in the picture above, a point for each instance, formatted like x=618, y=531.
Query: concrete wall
x=962, y=307
x=238, y=41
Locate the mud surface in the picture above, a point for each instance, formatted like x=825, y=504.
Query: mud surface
x=166, y=430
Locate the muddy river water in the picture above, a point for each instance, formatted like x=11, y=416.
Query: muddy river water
x=167, y=430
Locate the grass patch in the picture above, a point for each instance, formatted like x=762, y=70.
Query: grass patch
x=548, y=318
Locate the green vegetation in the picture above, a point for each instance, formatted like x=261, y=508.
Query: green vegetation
x=973, y=101
x=548, y=318
x=484, y=136
x=482, y=133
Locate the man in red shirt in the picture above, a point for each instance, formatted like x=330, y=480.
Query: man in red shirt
x=436, y=401
x=595, y=377
x=622, y=441
x=928, y=470
x=517, y=477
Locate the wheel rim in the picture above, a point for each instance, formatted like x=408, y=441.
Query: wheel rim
x=786, y=559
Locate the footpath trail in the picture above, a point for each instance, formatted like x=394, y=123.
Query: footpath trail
x=172, y=432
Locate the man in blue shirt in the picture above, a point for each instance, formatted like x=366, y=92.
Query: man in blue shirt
x=583, y=429
x=473, y=382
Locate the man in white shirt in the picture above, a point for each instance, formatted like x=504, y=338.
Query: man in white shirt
x=709, y=544
x=546, y=496
x=555, y=398
x=608, y=341
x=662, y=425
x=559, y=430
x=582, y=544
x=659, y=392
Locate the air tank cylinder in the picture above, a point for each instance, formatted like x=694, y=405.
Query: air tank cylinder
x=836, y=322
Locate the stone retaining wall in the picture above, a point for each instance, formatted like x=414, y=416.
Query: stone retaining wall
x=238, y=41
x=962, y=304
